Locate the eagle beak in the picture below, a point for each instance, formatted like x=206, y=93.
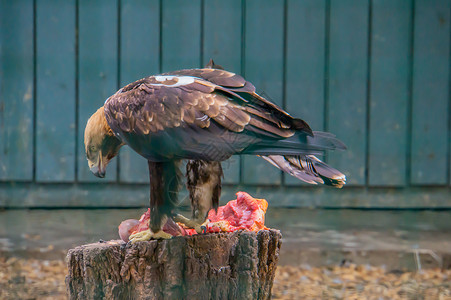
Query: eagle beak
x=99, y=169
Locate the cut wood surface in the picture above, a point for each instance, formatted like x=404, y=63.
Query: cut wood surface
x=236, y=265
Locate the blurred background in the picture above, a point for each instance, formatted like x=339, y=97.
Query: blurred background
x=374, y=72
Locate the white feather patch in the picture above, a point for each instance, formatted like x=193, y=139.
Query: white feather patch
x=181, y=80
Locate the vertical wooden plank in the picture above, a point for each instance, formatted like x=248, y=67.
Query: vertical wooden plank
x=430, y=94
x=389, y=92
x=222, y=33
x=55, y=88
x=16, y=90
x=97, y=65
x=306, y=22
x=181, y=34
x=140, y=57
x=222, y=42
x=347, y=103
x=263, y=58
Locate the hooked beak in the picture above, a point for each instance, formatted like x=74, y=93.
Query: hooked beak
x=99, y=169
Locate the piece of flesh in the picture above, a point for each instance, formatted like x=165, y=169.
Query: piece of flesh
x=126, y=228
x=244, y=213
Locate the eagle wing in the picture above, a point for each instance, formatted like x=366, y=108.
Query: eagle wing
x=185, y=113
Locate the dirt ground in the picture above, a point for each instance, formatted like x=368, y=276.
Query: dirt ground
x=315, y=242
x=360, y=282
x=44, y=279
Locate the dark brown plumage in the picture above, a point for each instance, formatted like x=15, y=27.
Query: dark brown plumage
x=205, y=116
x=203, y=180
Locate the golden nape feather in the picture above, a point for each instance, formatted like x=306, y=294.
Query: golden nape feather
x=97, y=127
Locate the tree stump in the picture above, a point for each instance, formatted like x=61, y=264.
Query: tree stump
x=236, y=265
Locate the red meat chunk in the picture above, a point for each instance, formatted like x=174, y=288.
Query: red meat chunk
x=244, y=213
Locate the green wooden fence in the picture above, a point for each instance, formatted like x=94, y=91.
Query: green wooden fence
x=376, y=73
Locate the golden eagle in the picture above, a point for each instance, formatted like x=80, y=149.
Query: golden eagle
x=203, y=116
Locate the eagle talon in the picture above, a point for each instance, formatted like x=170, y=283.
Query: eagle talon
x=223, y=226
x=192, y=223
x=148, y=235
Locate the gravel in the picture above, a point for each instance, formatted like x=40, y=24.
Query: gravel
x=44, y=279
x=360, y=282
x=32, y=279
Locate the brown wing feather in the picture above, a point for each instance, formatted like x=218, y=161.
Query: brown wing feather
x=150, y=105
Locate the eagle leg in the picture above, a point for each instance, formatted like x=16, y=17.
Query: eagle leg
x=204, y=186
x=164, y=186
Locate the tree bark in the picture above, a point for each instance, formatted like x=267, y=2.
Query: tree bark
x=236, y=265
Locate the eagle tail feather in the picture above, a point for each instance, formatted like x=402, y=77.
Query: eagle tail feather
x=308, y=168
x=298, y=144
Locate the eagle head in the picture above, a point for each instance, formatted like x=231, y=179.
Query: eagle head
x=101, y=145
